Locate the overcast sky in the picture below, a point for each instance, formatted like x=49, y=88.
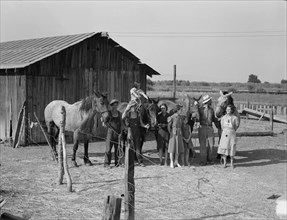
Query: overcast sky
x=212, y=41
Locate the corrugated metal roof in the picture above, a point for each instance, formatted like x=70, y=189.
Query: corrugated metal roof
x=148, y=70
x=21, y=53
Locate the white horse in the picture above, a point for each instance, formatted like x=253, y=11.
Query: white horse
x=80, y=119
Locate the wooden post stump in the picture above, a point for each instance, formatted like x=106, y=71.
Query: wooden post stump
x=271, y=118
x=63, y=166
x=129, y=181
x=112, y=210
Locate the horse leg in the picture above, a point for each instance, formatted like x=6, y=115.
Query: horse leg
x=75, y=148
x=86, y=153
x=53, y=135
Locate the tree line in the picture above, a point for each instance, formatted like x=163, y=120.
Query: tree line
x=253, y=84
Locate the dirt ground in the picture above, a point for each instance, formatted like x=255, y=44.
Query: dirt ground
x=29, y=182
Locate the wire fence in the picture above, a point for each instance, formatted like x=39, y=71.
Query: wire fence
x=203, y=179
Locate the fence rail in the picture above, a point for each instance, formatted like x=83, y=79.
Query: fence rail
x=262, y=107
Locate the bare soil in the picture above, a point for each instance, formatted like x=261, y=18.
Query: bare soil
x=29, y=182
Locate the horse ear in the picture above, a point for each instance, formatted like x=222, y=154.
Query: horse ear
x=198, y=98
x=229, y=94
x=221, y=93
x=157, y=100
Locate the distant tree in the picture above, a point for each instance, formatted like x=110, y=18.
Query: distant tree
x=253, y=79
x=267, y=83
x=187, y=83
x=169, y=83
x=284, y=81
x=250, y=87
x=149, y=82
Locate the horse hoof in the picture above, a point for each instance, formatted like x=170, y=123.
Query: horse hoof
x=88, y=163
x=74, y=163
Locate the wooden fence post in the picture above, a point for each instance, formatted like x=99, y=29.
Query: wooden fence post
x=248, y=104
x=63, y=165
x=129, y=180
x=271, y=118
x=112, y=210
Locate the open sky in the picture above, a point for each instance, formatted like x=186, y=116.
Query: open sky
x=212, y=41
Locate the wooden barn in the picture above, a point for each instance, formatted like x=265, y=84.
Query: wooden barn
x=34, y=72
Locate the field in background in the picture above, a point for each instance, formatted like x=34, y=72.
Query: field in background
x=273, y=93
x=279, y=99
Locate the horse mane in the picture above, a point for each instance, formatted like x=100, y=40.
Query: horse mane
x=87, y=103
x=229, y=100
x=88, y=125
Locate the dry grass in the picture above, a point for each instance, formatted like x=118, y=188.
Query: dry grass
x=29, y=177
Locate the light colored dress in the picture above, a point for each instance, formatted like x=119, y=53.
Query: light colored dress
x=227, y=144
x=175, y=129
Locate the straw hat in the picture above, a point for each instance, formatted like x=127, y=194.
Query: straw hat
x=114, y=101
x=206, y=98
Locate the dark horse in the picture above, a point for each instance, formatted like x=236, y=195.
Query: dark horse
x=81, y=118
x=148, y=113
x=224, y=100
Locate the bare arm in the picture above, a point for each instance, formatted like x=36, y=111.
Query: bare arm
x=169, y=120
x=142, y=93
x=189, y=132
x=236, y=122
x=134, y=92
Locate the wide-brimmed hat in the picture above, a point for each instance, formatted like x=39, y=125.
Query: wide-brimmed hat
x=114, y=101
x=206, y=98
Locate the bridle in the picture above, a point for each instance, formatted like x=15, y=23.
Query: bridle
x=149, y=108
x=101, y=112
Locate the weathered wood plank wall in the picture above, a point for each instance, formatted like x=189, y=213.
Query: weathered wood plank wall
x=12, y=96
x=75, y=72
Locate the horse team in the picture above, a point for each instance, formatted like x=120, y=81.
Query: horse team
x=84, y=116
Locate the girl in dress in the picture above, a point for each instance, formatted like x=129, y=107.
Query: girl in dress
x=187, y=143
x=227, y=144
x=175, y=146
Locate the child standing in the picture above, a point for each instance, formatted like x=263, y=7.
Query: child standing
x=187, y=143
x=175, y=146
x=163, y=134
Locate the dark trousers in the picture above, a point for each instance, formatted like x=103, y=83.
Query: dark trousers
x=206, y=141
x=110, y=143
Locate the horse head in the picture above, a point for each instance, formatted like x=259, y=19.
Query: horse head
x=155, y=102
x=101, y=104
x=222, y=102
x=151, y=110
x=192, y=107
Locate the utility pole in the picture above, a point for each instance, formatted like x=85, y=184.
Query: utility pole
x=174, y=82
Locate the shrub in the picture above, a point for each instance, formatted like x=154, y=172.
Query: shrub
x=251, y=87
x=150, y=88
x=231, y=90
